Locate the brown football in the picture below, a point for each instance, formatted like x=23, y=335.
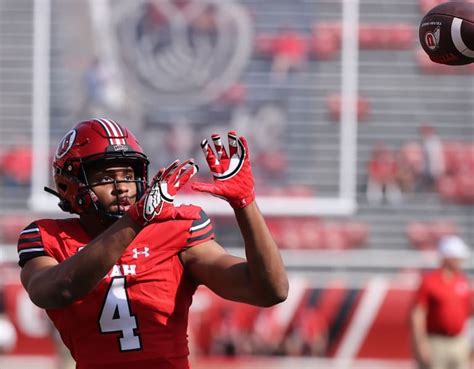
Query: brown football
x=447, y=33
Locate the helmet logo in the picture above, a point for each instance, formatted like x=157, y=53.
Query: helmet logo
x=66, y=144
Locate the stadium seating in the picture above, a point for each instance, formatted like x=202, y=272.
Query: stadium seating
x=371, y=36
x=425, y=235
x=334, y=105
x=315, y=233
x=457, y=185
x=325, y=40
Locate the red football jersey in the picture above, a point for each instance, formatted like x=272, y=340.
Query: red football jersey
x=137, y=315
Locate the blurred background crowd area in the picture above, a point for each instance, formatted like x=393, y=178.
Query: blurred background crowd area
x=175, y=71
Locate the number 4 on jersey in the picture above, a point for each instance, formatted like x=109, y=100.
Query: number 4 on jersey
x=117, y=317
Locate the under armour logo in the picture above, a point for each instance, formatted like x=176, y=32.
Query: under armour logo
x=137, y=252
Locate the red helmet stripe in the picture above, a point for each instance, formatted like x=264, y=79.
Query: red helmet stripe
x=117, y=127
x=117, y=131
x=113, y=130
x=106, y=129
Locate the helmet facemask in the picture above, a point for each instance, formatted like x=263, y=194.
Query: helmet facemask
x=89, y=198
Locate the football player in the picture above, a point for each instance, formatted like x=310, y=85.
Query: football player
x=117, y=281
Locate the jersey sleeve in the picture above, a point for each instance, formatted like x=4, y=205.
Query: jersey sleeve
x=30, y=244
x=422, y=294
x=201, y=230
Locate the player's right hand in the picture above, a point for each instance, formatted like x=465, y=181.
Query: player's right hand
x=233, y=178
x=156, y=205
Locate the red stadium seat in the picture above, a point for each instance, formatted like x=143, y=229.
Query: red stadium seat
x=458, y=156
x=404, y=36
x=264, y=45
x=234, y=95
x=334, y=237
x=412, y=154
x=334, y=106
x=11, y=226
x=332, y=29
x=465, y=184
x=324, y=46
x=310, y=232
x=326, y=40
x=419, y=235
x=286, y=232
x=383, y=36
x=469, y=156
x=441, y=228
x=458, y=184
x=367, y=38
x=15, y=164
x=448, y=189
x=452, y=156
x=300, y=191
x=356, y=233
x=426, y=235
x=465, y=152
x=289, y=43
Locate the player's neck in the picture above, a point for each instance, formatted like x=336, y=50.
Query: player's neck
x=93, y=224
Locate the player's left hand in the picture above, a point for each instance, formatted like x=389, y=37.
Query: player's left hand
x=233, y=178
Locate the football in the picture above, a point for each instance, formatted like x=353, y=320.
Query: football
x=447, y=33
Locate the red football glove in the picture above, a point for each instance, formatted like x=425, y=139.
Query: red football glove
x=156, y=205
x=233, y=179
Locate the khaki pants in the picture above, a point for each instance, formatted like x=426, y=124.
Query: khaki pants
x=449, y=352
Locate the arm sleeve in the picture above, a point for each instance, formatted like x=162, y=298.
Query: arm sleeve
x=201, y=230
x=30, y=244
x=422, y=294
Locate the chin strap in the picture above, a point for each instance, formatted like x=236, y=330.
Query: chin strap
x=52, y=192
x=63, y=205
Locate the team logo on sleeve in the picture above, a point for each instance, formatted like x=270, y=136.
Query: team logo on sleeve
x=66, y=144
